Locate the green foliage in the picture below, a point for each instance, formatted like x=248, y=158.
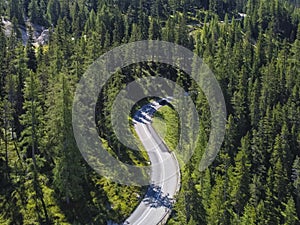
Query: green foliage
x=166, y=123
x=255, y=178
x=53, y=11
x=289, y=214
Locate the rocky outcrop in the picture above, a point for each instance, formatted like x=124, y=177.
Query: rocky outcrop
x=40, y=33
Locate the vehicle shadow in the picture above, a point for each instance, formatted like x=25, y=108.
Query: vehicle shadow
x=155, y=198
x=145, y=114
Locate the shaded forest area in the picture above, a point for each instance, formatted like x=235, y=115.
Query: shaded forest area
x=253, y=48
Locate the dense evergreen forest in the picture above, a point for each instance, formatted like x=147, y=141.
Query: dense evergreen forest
x=253, y=48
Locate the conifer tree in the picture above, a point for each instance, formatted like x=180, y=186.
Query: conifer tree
x=68, y=171
x=296, y=180
x=53, y=11
x=3, y=55
x=31, y=143
x=35, y=14
x=30, y=52
x=249, y=216
x=15, y=11
x=289, y=214
x=154, y=30
x=240, y=178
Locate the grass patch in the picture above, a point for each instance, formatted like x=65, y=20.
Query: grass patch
x=166, y=124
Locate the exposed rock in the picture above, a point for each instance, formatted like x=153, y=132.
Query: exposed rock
x=40, y=33
x=7, y=26
x=43, y=38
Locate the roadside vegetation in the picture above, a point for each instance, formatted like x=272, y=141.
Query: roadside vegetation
x=253, y=49
x=166, y=124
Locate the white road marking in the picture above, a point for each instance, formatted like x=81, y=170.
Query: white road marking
x=141, y=122
x=163, y=176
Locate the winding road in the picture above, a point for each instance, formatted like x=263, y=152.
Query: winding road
x=156, y=205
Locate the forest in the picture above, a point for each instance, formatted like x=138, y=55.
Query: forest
x=253, y=49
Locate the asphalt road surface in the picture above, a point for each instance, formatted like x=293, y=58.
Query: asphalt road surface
x=165, y=173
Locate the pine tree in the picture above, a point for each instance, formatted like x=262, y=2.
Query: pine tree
x=143, y=23
x=30, y=52
x=181, y=35
x=15, y=11
x=5, y=124
x=249, y=216
x=35, y=13
x=218, y=209
x=296, y=180
x=1, y=9
x=231, y=137
x=154, y=30
x=254, y=103
x=169, y=31
x=76, y=20
x=31, y=142
x=68, y=171
x=119, y=29
x=3, y=55
x=289, y=214
x=156, y=8
x=53, y=11
x=65, y=10
x=16, y=73
x=239, y=178
x=240, y=102
x=136, y=34
x=32, y=119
